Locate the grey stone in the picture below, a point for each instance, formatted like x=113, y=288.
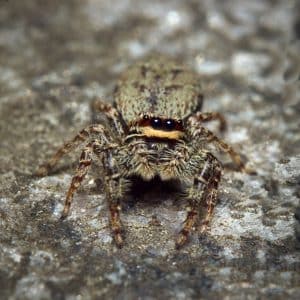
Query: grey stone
x=55, y=58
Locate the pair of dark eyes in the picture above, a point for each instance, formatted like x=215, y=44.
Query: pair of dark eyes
x=164, y=124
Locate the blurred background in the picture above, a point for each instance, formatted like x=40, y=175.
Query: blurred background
x=56, y=57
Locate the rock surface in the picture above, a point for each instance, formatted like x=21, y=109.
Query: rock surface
x=56, y=57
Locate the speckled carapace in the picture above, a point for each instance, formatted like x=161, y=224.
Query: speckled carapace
x=153, y=129
x=160, y=87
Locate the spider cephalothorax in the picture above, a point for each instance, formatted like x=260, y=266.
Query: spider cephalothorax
x=155, y=130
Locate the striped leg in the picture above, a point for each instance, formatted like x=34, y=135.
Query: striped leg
x=211, y=199
x=211, y=116
x=116, y=187
x=236, y=158
x=96, y=131
x=111, y=113
x=188, y=226
x=82, y=169
x=115, y=223
x=202, y=134
x=204, y=189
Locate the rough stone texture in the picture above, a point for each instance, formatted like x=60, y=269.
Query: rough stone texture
x=55, y=57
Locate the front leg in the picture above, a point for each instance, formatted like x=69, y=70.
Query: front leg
x=201, y=135
x=114, y=117
x=116, y=186
x=211, y=116
x=202, y=191
x=96, y=131
x=93, y=148
x=82, y=169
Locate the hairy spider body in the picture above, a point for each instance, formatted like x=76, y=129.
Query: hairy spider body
x=155, y=130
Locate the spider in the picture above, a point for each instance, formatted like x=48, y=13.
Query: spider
x=154, y=129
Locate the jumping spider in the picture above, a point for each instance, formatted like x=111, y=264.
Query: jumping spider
x=155, y=129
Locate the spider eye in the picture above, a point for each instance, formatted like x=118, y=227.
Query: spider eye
x=146, y=117
x=179, y=125
x=169, y=124
x=156, y=123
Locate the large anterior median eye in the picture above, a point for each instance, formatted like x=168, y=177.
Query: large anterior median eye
x=169, y=124
x=156, y=123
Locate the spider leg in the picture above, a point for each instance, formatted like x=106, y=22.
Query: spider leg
x=116, y=225
x=116, y=187
x=211, y=199
x=200, y=133
x=96, y=131
x=82, y=169
x=188, y=226
x=203, y=189
x=114, y=117
x=211, y=116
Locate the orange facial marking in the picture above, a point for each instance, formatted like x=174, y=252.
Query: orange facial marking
x=157, y=133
